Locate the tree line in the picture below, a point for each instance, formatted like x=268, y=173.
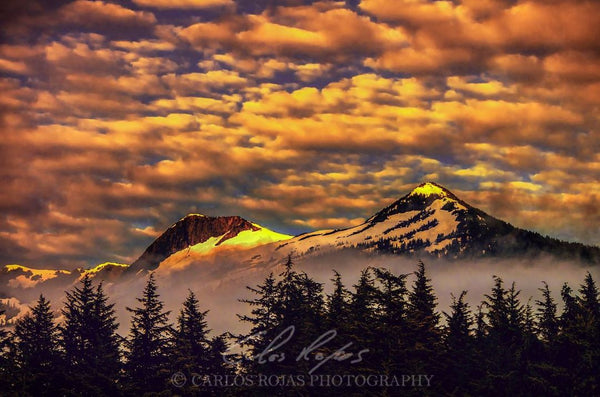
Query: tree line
x=381, y=328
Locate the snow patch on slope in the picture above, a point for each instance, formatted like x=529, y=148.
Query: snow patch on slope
x=35, y=277
x=428, y=189
x=245, y=239
x=97, y=269
x=401, y=228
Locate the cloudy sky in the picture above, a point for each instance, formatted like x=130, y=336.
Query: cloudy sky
x=118, y=118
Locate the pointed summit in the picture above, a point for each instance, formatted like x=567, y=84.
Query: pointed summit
x=431, y=220
x=420, y=198
x=429, y=189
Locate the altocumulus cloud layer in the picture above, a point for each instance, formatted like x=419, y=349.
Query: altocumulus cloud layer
x=117, y=118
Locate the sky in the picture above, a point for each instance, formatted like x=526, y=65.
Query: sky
x=119, y=118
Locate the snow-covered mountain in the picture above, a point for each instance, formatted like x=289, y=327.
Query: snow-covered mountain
x=428, y=221
x=200, y=235
x=224, y=254
x=431, y=220
x=429, y=217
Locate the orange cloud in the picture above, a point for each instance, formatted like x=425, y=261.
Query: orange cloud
x=574, y=66
x=94, y=13
x=185, y=4
x=117, y=121
x=296, y=32
x=423, y=61
x=13, y=66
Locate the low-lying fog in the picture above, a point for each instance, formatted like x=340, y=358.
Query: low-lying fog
x=220, y=285
x=220, y=282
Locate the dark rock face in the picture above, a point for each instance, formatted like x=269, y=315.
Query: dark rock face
x=191, y=230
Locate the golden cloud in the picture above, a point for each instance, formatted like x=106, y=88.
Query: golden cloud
x=85, y=12
x=185, y=4
x=306, y=31
x=303, y=115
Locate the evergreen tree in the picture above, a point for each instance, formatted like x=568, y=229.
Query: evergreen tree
x=291, y=309
x=461, y=366
x=149, y=343
x=515, y=313
x=309, y=320
x=531, y=354
x=390, y=296
x=589, y=337
x=217, y=347
x=361, y=321
x=6, y=362
x=548, y=329
x=497, y=310
x=191, y=346
x=337, y=304
x=588, y=298
x=89, y=341
x=264, y=319
x=530, y=326
x=425, y=334
x=577, y=345
x=547, y=318
x=459, y=322
x=500, y=348
x=36, y=353
x=569, y=349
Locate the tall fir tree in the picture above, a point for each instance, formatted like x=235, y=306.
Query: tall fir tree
x=190, y=342
x=547, y=318
x=588, y=298
x=569, y=349
x=498, y=359
x=309, y=318
x=390, y=295
x=497, y=314
x=459, y=348
x=589, y=336
x=531, y=353
x=89, y=341
x=548, y=373
x=337, y=304
x=217, y=348
x=515, y=312
x=149, y=344
x=290, y=308
x=423, y=320
x=264, y=318
x=286, y=317
x=361, y=320
x=6, y=362
x=36, y=352
x=458, y=334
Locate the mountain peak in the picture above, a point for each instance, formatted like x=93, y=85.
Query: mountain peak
x=201, y=233
x=194, y=215
x=429, y=189
x=419, y=199
x=190, y=216
x=188, y=231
